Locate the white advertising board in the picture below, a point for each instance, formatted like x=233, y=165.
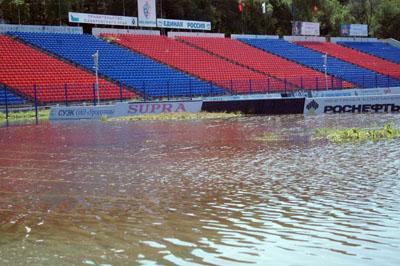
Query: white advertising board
x=306, y=28
x=99, y=31
x=310, y=29
x=352, y=104
x=356, y=92
x=183, y=24
x=36, y=28
x=243, y=97
x=99, y=19
x=146, y=108
x=356, y=30
x=65, y=113
x=81, y=112
x=147, y=13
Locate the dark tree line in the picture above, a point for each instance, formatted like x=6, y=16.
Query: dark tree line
x=383, y=16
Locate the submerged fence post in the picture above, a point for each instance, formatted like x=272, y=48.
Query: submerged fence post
x=6, y=102
x=36, y=103
x=66, y=94
x=94, y=94
x=120, y=92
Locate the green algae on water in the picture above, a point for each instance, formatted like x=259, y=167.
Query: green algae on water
x=355, y=135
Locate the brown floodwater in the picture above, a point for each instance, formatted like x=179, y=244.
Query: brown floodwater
x=198, y=193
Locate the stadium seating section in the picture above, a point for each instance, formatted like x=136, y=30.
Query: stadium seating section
x=136, y=71
x=228, y=75
x=156, y=66
x=382, y=50
x=264, y=62
x=8, y=96
x=362, y=77
x=355, y=57
x=22, y=68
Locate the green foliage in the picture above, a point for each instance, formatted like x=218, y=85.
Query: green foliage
x=176, y=116
x=30, y=115
x=383, y=16
x=359, y=134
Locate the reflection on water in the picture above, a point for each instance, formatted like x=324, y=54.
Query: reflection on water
x=192, y=193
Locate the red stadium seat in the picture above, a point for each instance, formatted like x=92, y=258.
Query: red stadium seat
x=22, y=67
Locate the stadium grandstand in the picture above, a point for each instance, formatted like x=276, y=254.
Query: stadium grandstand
x=55, y=67
x=360, y=76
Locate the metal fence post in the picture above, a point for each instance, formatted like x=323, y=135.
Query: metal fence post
x=36, y=103
x=363, y=81
x=66, y=94
x=121, y=97
x=285, y=85
x=94, y=94
x=332, y=83
x=250, y=86
x=168, y=92
x=269, y=85
x=316, y=83
x=388, y=81
x=376, y=80
x=144, y=91
x=301, y=83
x=190, y=89
x=6, y=102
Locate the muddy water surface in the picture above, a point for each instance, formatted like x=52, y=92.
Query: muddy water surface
x=198, y=193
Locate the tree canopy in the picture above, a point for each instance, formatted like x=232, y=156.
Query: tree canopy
x=382, y=16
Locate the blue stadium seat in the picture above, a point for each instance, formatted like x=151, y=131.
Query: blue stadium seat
x=362, y=77
x=129, y=68
x=12, y=99
x=382, y=50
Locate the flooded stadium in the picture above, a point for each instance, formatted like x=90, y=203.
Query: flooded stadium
x=198, y=193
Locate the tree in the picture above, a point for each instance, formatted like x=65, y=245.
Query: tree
x=388, y=19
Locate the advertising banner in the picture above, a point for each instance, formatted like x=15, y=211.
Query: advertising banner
x=183, y=24
x=356, y=92
x=353, y=104
x=356, y=30
x=99, y=19
x=58, y=113
x=306, y=28
x=147, y=13
x=244, y=97
x=81, y=112
x=146, y=108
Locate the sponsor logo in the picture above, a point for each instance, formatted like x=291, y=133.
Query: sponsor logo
x=74, y=19
x=155, y=108
x=312, y=107
x=362, y=108
x=146, y=9
x=387, y=91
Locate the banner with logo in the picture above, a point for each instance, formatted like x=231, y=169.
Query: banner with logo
x=306, y=28
x=356, y=92
x=146, y=108
x=147, y=13
x=183, y=24
x=99, y=19
x=353, y=104
x=356, y=30
x=81, y=112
